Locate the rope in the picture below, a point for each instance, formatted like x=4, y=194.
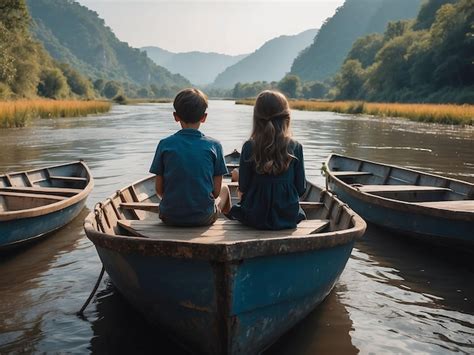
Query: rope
x=84, y=306
x=98, y=218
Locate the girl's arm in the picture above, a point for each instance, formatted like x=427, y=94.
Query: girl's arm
x=300, y=178
x=217, y=186
x=159, y=185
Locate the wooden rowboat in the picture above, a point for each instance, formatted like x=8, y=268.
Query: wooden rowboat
x=404, y=200
x=37, y=202
x=225, y=288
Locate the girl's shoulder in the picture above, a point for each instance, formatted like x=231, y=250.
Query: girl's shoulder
x=247, y=147
x=295, y=146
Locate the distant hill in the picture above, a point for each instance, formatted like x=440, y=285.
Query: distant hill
x=354, y=19
x=268, y=63
x=199, y=67
x=73, y=34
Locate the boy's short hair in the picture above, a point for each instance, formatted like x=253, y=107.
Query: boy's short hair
x=190, y=105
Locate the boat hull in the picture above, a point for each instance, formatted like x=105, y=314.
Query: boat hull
x=396, y=217
x=235, y=307
x=17, y=232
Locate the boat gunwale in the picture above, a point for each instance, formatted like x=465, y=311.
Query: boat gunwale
x=400, y=205
x=223, y=252
x=52, y=207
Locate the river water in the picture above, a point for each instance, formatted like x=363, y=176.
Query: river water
x=395, y=295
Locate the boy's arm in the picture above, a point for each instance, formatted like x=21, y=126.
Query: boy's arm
x=217, y=186
x=157, y=169
x=159, y=185
x=220, y=169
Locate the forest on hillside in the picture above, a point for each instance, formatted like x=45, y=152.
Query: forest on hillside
x=428, y=59
x=26, y=69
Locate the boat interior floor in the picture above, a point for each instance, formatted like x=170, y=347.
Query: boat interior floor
x=222, y=231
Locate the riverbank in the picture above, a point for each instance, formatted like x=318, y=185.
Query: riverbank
x=17, y=113
x=437, y=113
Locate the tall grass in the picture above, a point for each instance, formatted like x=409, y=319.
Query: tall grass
x=438, y=113
x=18, y=113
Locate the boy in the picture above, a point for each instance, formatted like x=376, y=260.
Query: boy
x=189, y=167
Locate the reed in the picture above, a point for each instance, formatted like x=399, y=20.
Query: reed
x=18, y=113
x=437, y=113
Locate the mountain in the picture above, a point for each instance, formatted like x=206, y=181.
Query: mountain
x=75, y=35
x=268, y=63
x=354, y=19
x=199, y=67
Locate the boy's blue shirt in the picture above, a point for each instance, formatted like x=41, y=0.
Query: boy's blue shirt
x=188, y=162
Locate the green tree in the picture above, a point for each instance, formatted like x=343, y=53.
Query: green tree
x=365, y=49
x=316, y=90
x=349, y=80
x=112, y=89
x=14, y=15
x=53, y=84
x=396, y=29
x=143, y=93
x=79, y=84
x=7, y=60
x=99, y=85
x=427, y=14
x=290, y=85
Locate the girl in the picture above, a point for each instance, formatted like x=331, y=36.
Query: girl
x=271, y=175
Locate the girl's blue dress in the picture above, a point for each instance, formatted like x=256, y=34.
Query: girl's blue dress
x=270, y=201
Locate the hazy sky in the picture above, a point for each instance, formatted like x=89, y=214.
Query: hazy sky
x=225, y=26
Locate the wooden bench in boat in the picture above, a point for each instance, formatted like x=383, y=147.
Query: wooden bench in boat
x=155, y=207
x=222, y=231
x=17, y=201
x=399, y=188
x=43, y=190
x=68, y=178
x=350, y=173
x=458, y=205
x=34, y=196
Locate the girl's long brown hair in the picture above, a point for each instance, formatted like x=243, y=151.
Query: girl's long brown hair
x=271, y=135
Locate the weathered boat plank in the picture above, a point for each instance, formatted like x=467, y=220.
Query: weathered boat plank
x=351, y=173
x=43, y=190
x=399, y=188
x=460, y=205
x=224, y=232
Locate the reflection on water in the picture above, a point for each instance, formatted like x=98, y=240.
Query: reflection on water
x=394, y=296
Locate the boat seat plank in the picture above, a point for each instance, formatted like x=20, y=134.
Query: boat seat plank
x=155, y=207
x=459, y=205
x=399, y=188
x=68, y=178
x=142, y=206
x=43, y=190
x=37, y=196
x=221, y=232
x=351, y=173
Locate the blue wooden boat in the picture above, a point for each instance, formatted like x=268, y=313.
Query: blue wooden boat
x=406, y=201
x=37, y=202
x=225, y=288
